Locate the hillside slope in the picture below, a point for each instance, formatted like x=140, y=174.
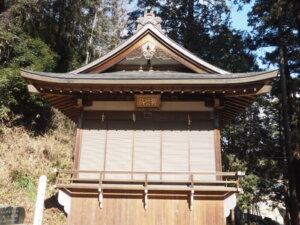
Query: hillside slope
x=25, y=157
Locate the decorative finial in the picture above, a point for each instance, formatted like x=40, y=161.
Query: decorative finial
x=149, y=17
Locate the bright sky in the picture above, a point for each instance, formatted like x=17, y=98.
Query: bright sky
x=239, y=18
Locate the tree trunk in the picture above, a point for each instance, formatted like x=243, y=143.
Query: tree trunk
x=189, y=33
x=88, y=54
x=2, y=6
x=297, y=15
x=297, y=171
x=293, y=210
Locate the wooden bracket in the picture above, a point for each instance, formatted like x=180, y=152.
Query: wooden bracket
x=32, y=89
x=79, y=103
x=100, y=198
x=100, y=191
x=192, y=199
x=146, y=199
x=146, y=192
x=189, y=120
x=192, y=193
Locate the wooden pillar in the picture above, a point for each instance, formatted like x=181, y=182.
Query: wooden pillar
x=217, y=140
x=232, y=217
x=78, y=140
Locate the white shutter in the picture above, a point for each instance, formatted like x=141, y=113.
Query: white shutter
x=147, y=150
x=119, y=148
x=147, y=146
x=92, y=147
x=175, y=150
x=202, y=149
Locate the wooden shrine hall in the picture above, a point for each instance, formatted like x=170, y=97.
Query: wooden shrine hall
x=148, y=118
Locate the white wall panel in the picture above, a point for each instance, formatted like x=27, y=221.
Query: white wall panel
x=202, y=150
x=148, y=146
x=147, y=152
x=175, y=150
x=119, y=148
x=92, y=147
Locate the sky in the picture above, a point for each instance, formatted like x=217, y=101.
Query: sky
x=239, y=18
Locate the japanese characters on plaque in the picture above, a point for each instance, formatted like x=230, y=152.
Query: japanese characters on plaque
x=147, y=101
x=11, y=215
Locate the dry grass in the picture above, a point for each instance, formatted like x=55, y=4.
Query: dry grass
x=24, y=158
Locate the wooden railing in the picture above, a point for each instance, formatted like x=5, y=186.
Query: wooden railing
x=77, y=181
x=83, y=179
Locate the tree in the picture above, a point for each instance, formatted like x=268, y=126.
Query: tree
x=49, y=36
x=17, y=106
x=107, y=27
x=72, y=29
x=275, y=24
x=252, y=144
x=204, y=28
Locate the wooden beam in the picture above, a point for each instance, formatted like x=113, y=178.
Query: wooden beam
x=247, y=99
x=241, y=101
x=63, y=104
x=234, y=106
x=228, y=114
x=240, y=105
x=231, y=109
x=69, y=108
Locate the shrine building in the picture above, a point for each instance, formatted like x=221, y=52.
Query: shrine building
x=148, y=118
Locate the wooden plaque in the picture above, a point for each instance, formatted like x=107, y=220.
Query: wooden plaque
x=147, y=101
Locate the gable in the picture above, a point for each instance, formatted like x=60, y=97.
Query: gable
x=149, y=57
x=149, y=49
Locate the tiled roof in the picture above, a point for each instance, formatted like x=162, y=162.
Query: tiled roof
x=147, y=75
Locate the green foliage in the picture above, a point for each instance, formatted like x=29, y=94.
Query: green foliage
x=23, y=180
x=72, y=29
x=31, y=53
x=266, y=18
x=249, y=184
x=49, y=36
x=17, y=106
x=253, y=144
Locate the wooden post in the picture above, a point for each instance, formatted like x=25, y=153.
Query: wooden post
x=232, y=217
x=217, y=140
x=78, y=141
